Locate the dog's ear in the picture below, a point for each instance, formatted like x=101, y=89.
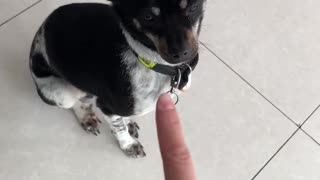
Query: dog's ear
x=113, y=1
x=118, y=1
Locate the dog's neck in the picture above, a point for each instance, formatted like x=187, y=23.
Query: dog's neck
x=142, y=50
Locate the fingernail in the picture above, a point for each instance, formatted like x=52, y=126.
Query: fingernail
x=165, y=102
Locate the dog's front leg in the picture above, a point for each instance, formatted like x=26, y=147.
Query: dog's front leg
x=120, y=129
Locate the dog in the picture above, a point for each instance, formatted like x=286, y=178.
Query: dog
x=119, y=57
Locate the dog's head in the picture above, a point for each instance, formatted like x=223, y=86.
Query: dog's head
x=170, y=27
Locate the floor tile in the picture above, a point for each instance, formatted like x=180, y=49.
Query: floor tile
x=275, y=45
x=9, y=8
x=312, y=126
x=228, y=126
x=31, y=150
x=298, y=160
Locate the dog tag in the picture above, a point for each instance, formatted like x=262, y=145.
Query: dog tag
x=188, y=85
x=187, y=77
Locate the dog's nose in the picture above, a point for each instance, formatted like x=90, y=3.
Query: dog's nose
x=178, y=55
x=183, y=55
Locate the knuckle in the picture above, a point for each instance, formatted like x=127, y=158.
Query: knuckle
x=177, y=155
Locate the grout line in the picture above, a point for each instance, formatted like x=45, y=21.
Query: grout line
x=313, y=139
x=299, y=126
x=305, y=121
x=281, y=147
x=277, y=152
x=21, y=12
x=310, y=115
x=247, y=82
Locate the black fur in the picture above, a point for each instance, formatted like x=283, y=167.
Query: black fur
x=84, y=43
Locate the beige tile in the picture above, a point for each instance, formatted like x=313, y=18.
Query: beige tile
x=298, y=160
x=230, y=129
x=9, y=8
x=274, y=44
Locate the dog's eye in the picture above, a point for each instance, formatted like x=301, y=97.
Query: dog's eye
x=148, y=17
x=194, y=8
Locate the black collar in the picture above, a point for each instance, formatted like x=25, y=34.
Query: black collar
x=179, y=74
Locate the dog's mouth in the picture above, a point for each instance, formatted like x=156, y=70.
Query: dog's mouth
x=178, y=56
x=177, y=61
x=176, y=51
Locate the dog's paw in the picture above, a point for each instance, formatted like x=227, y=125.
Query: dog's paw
x=90, y=123
x=87, y=118
x=135, y=150
x=133, y=129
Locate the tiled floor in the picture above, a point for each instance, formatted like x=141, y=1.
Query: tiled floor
x=257, y=83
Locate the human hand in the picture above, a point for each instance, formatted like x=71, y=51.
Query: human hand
x=177, y=162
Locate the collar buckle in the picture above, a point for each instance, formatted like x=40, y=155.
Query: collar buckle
x=176, y=80
x=175, y=83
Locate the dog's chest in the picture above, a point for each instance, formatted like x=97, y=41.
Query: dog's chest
x=147, y=85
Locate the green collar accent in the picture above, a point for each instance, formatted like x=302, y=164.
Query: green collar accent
x=147, y=63
x=179, y=74
x=160, y=68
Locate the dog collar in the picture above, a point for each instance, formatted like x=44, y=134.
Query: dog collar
x=180, y=75
x=160, y=68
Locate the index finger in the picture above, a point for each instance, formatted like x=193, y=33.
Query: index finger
x=177, y=162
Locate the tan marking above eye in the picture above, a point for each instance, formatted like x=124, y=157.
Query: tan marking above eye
x=156, y=11
x=184, y=4
x=136, y=23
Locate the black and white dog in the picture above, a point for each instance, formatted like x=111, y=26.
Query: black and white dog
x=120, y=57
